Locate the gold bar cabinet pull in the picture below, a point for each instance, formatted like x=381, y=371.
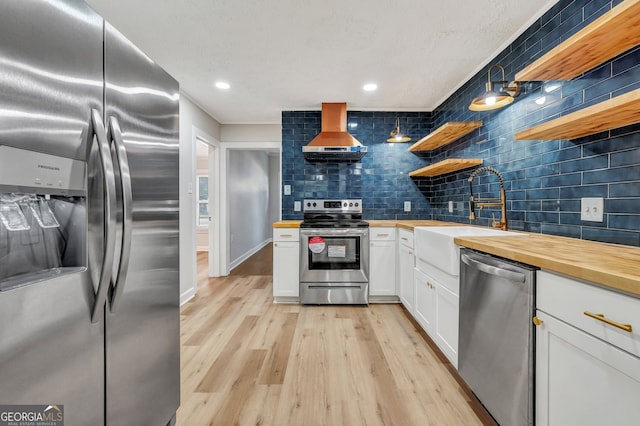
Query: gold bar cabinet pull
x=601, y=317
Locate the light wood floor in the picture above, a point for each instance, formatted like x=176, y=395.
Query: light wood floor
x=248, y=361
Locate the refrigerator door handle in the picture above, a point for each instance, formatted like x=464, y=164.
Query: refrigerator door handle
x=110, y=208
x=115, y=137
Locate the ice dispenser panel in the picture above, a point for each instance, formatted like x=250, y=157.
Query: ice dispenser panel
x=42, y=217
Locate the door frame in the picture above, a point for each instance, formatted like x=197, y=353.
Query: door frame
x=225, y=147
x=215, y=244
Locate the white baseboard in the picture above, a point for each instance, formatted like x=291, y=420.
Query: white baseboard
x=248, y=254
x=286, y=300
x=187, y=295
x=384, y=299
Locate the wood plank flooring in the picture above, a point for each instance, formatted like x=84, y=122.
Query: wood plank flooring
x=248, y=361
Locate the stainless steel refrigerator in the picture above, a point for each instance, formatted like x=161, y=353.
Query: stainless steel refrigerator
x=89, y=275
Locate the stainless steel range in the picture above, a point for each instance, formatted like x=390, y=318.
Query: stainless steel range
x=334, y=253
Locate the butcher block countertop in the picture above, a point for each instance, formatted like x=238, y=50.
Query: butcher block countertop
x=287, y=224
x=610, y=265
x=407, y=224
x=410, y=224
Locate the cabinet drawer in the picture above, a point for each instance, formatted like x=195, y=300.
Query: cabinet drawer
x=405, y=237
x=570, y=299
x=382, y=234
x=286, y=234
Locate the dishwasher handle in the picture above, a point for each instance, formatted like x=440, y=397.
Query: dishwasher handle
x=483, y=263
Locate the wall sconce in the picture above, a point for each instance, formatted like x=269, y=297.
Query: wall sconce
x=396, y=135
x=494, y=100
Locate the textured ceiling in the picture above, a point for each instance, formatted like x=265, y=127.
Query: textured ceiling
x=294, y=54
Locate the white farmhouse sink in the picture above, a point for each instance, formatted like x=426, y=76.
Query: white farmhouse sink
x=435, y=246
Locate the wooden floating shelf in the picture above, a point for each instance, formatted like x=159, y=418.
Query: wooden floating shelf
x=611, y=114
x=445, y=134
x=613, y=33
x=446, y=166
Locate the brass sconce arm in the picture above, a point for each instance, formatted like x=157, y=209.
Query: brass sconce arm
x=492, y=99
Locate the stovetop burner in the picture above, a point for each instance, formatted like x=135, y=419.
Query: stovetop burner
x=334, y=224
x=333, y=214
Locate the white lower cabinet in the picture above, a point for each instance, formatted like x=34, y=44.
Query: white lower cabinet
x=425, y=308
x=286, y=264
x=406, y=263
x=382, y=262
x=582, y=379
x=436, y=310
x=447, y=311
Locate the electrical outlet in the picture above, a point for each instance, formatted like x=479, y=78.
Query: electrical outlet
x=287, y=190
x=407, y=206
x=592, y=209
x=297, y=206
x=450, y=206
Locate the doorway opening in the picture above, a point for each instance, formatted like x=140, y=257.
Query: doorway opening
x=252, y=199
x=207, y=203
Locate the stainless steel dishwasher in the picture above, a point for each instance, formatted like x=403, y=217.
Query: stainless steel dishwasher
x=496, y=336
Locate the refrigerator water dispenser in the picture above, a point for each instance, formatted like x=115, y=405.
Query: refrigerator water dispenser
x=42, y=229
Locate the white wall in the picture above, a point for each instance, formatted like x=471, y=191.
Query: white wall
x=248, y=200
x=233, y=138
x=274, y=188
x=251, y=133
x=192, y=120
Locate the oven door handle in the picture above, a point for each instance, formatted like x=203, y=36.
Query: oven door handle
x=331, y=232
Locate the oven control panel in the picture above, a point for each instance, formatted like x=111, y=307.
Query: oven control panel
x=333, y=206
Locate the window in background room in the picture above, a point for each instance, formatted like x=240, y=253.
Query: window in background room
x=202, y=198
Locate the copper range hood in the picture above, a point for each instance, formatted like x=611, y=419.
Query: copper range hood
x=334, y=143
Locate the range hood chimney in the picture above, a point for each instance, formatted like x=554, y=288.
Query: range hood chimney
x=334, y=143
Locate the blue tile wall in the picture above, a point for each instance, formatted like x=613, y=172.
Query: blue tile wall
x=544, y=179
x=380, y=179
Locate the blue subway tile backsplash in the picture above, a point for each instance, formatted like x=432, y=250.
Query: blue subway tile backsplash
x=544, y=180
x=380, y=178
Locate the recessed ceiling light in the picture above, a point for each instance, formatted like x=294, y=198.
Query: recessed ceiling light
x=222, y=85
x=370, y=87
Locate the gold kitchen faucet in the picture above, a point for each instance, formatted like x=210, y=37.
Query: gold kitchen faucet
x=481, y=203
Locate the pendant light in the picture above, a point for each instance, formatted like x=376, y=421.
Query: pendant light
x=493, y=100
x=396, y=135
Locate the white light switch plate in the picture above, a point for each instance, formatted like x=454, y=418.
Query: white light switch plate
x=450, y=206
x=592, y=209
x=407, y=206
x=297, y=206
